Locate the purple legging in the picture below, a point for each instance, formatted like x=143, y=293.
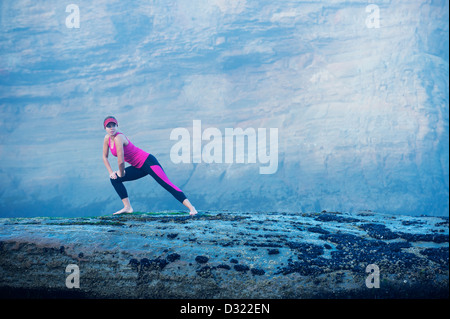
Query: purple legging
x=151, y=167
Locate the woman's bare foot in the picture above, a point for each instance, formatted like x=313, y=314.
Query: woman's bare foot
x=125, y=210
x=193, y=212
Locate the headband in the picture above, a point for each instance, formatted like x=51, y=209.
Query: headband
x=109, y=120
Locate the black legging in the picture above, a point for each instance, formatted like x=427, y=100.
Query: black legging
x=151, y=167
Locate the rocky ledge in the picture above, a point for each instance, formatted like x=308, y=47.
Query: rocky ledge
x=225, y=254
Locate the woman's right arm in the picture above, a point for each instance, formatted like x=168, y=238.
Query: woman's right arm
x=112, y=174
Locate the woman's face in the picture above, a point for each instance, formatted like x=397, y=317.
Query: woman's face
x=111, y=128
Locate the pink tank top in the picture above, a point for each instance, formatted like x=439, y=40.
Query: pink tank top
x=131, y=154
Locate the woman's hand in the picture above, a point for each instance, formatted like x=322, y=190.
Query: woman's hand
x=113, y=175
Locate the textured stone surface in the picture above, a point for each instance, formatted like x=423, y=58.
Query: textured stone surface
x=226, y=255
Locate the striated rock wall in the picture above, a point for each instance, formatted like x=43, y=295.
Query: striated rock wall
x=361, y=108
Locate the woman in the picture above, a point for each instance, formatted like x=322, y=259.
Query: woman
x=142, y=164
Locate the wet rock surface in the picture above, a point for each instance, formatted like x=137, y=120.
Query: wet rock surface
x=226, y=255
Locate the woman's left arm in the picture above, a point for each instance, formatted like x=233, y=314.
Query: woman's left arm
x=119, y=140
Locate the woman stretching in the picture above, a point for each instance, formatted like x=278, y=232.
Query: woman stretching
x=142, y=164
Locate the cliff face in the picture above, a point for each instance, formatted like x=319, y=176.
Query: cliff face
x=358, y=93
x=225, y=255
